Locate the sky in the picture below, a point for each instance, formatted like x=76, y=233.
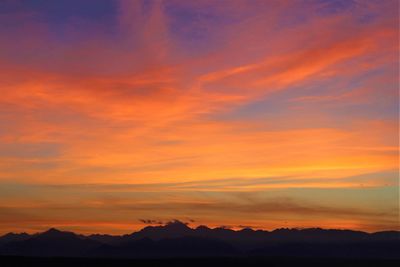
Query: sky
x=264, y=114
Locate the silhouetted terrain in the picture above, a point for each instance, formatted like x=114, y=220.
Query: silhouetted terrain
x=194, y=262
x=176, y=240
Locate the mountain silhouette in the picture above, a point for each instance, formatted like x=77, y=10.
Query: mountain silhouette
x=10, y=237
x=171, y=229
x=177, y=239
x=50, y=243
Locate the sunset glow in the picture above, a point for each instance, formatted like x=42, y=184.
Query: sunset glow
x=238, y=113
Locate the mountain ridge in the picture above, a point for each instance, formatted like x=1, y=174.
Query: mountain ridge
x=177, y=239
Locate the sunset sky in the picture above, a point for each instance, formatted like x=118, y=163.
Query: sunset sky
x=260, y=113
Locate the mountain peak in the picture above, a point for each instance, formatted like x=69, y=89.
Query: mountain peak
x=12, y=234
x=53, y=230
x=176, y=225
x=55, y=233
x=13, y=237
x=171, y=229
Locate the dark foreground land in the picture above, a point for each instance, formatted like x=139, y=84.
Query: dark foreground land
x=175, y=244
x=10, y=261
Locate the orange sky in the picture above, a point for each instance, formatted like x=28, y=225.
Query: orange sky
x=265, y=114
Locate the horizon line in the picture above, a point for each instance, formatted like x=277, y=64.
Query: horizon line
x=234, y=229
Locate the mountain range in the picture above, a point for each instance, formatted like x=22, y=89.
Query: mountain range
x=177, y=239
